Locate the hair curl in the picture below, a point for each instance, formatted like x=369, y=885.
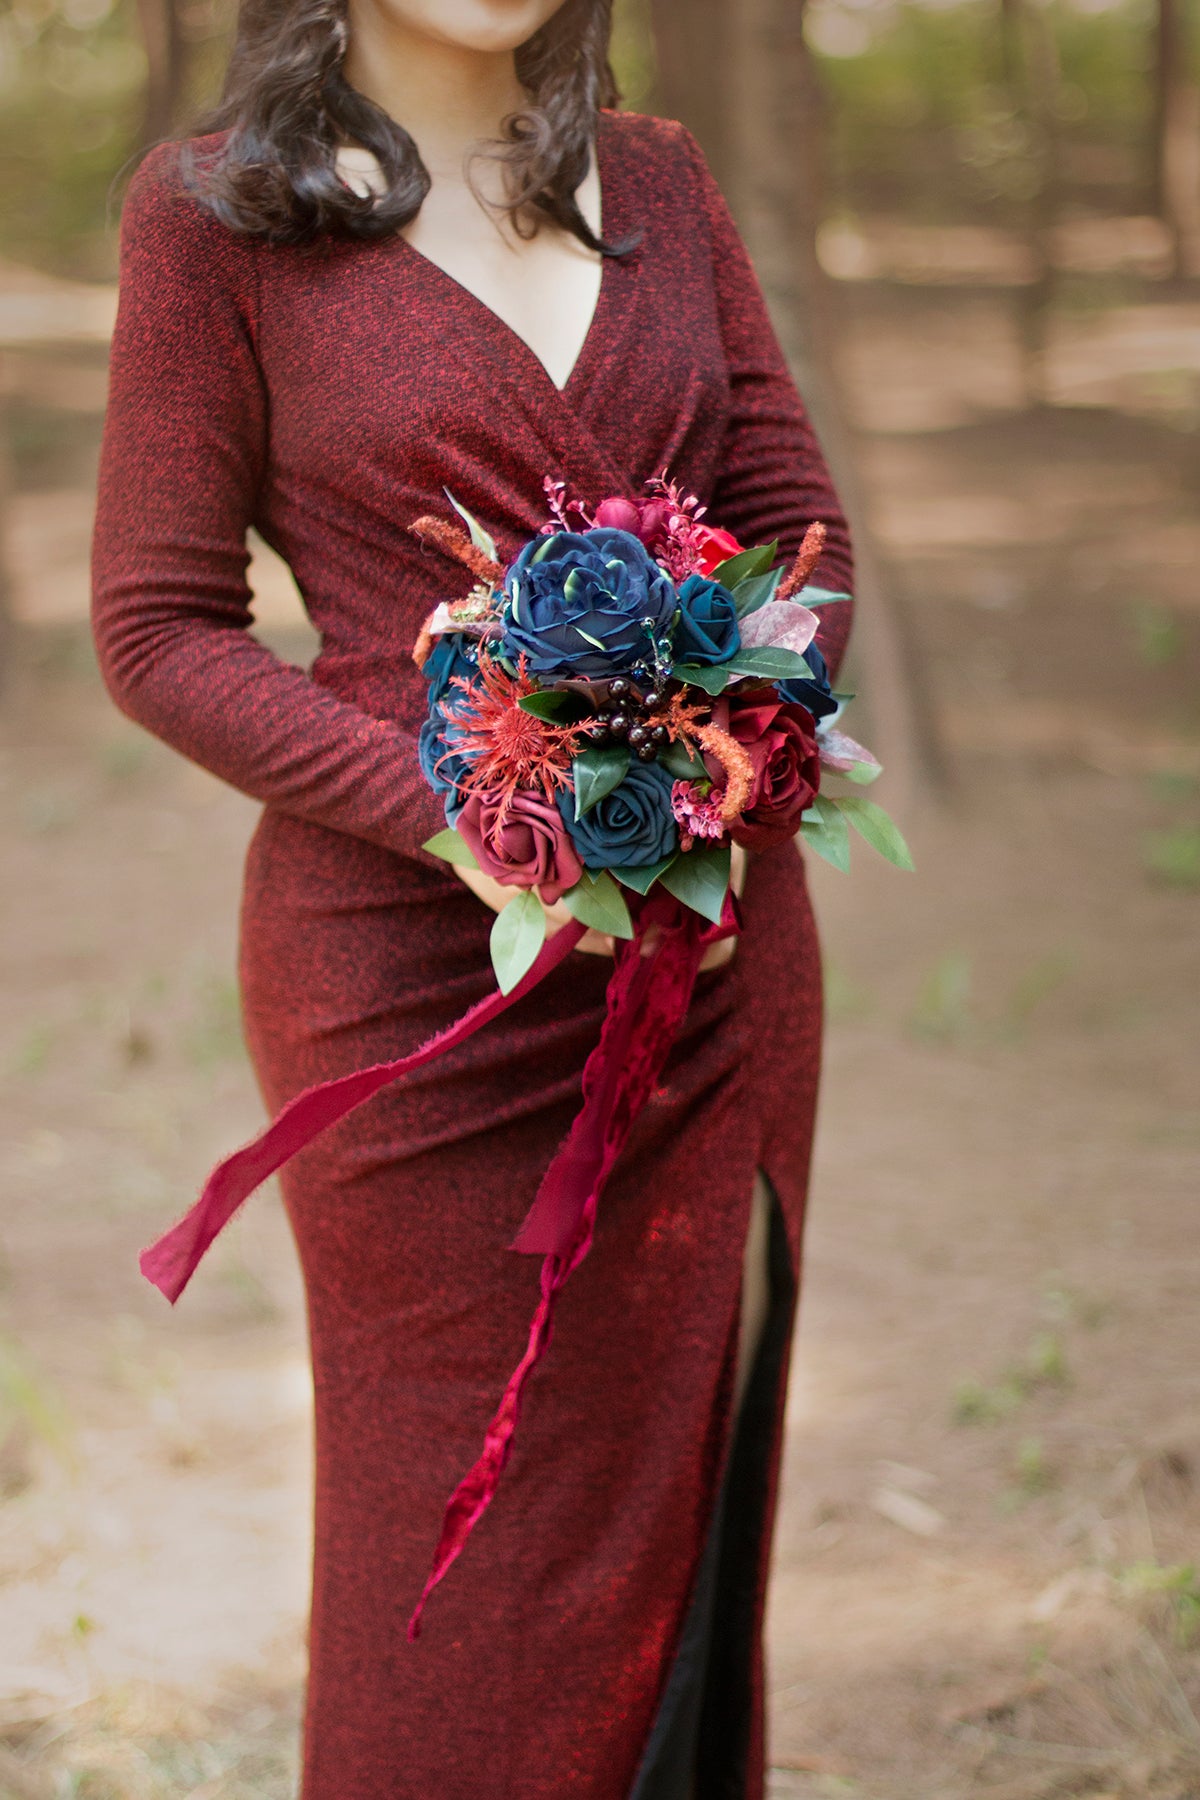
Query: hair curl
x=286, y=107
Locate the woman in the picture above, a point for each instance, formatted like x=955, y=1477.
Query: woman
x=417, y=249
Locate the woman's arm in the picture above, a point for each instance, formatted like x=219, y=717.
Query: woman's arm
x=774, y=480
x=181, y=463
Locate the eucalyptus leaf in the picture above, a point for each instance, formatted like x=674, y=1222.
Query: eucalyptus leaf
x=482, y=540
x=600, y=904
x=643, y=879
x=597, y=771
x=880, y=831
x=769, y=663
x=518, y=934
x=451, y=848
x=755, y=590
x=699, y=877
x=746, y=562
x=712, y=678
x=828, y=836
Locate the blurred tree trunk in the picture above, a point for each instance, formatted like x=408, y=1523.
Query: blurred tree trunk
x=748, y=89
x=1177, y=137
x=692, y=40
x=167, y=51
x=1032, y=75
x=6, y=486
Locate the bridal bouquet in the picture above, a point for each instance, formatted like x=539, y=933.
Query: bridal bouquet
x=609, y=714
x=631, y=696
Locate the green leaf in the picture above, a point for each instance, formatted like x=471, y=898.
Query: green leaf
x=451, y=848
x=755, y=590
x=746, y=562
x=812, y=597
x=679, y=761
x=881, y=832
x=518, y=934
x=554, y=704
x=600, y=904
x=482, y=540
x=699, y=877
x=701, y=675
x=825, y=832
x=861, y=774
x=642, y=880
x=597, y=771
x=769, y=663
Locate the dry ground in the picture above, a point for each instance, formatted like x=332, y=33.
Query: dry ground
x=988, y=1580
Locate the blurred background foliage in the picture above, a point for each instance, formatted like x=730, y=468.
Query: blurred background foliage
x=920, y=115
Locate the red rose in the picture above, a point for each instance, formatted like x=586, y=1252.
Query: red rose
x=780, y=740
x=530, y=848
x=714, y=546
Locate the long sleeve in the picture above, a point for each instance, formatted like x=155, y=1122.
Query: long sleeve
x=182, y=461
x=774, y=479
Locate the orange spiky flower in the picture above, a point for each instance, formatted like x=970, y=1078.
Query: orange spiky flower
x=511, y=748
x=680, y=716
x=806, y=561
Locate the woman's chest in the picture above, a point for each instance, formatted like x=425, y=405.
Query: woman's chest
x=387, y=379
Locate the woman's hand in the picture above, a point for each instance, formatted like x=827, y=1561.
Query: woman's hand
x=493, y=894
x=596, y=943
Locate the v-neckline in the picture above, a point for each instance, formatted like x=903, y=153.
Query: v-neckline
x=497, y=323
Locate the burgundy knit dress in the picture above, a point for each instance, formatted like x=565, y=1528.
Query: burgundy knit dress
x=603, y=1627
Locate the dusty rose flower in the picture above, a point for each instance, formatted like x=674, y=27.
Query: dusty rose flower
x=523, y=844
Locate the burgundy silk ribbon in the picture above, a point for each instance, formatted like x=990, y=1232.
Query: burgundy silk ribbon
x=647, y=998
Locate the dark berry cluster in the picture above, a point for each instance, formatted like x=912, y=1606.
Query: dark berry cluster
x=627, y=723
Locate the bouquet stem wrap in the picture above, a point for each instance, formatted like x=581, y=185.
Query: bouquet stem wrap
x=647, y=998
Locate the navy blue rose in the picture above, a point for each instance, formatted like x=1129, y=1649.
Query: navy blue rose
x=576, y=603
x=707, y=629
x=630, y=828
x=441, y=764
x=816, y=694
x=446, y=660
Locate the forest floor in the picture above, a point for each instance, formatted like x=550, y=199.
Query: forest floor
x=987, y=1578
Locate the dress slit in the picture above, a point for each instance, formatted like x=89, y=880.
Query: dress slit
x=699, y=1744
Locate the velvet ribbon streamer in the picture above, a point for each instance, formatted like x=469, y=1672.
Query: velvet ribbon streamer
x=647, y=998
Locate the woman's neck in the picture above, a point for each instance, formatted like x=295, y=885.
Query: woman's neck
x=448, y=98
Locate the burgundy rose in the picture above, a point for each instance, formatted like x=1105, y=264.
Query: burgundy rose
x=646, y=519
x=780, y=740
x=529, y=847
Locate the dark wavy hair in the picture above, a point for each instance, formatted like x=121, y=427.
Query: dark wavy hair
x=286, y=106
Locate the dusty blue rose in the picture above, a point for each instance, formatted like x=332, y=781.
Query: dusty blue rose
x=446, y=660
x=816, y=694
x=576, y=602
x=630, y=828
x=707, y=629
x=441, y=765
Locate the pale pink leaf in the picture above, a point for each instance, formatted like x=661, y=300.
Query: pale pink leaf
x=839, y=752
x=781, y=624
